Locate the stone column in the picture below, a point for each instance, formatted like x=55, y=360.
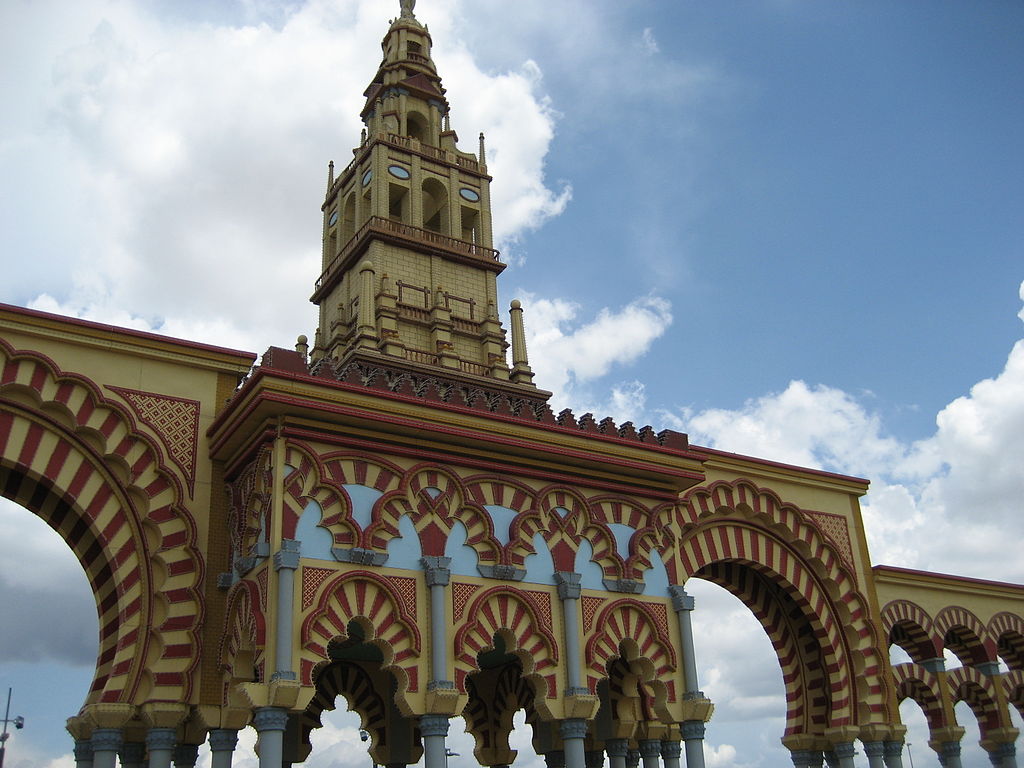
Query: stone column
x=83, y=753
x=650, y=751
x=633, y=758
x=434, y=729
x=132, y=754
x=616, y=749
x=438, y=575
x=286, y=561
x=574, y=732
x=801, y=758
x=683, y=604
x=569, y=593
x=844, y=754
x=161, y=742
x=693, y=737
x=949, y=754
x=875, y=750
x=671, y=751
x=222, y=746
x=270, y=723
x=105, y=744
x=894, y=754
x=1003, y=756
x=185, y=755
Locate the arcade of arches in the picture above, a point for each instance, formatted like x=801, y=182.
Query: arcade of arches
x=394, y=515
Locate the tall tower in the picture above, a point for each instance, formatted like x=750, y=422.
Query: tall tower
x=409, y=268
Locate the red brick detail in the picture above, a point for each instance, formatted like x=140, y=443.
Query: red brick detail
x=460, y=596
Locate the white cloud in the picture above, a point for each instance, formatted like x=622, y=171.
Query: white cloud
x=196, y=228
x=650, y=42
x=923, y=493
x=567, y=351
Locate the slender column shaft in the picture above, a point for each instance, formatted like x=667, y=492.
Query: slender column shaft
x=222, y=747
x=801, y=758
x=438, y=575
x=286, y=561
x=693, y=738
x=270, y=723
x=83, y=753
x=616, y=749
x=671, y=751
x=160, y=743
x=894, y=754
x=569, y=592
x=844, y=754
x=434, y=729
x=875, y=750
x=574, y=732
x=132, y=754
x=650, y=752
x=105, y=744
x=185, y=755
x=950, y=755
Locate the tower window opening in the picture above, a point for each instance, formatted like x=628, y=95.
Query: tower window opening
x=435, y=206
x=416, y=127
x=348, y=220
x=414, y=47
x=470, y=225
x=398, y=203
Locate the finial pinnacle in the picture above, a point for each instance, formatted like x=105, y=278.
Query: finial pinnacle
x=407, y=8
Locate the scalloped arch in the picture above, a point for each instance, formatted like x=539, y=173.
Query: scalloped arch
x=637, y=622
x=920, y=641
x=110, y=477
x=972, y=644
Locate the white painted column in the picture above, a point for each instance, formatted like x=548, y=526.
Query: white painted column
x=160, y=743
x=270, y=723
x=671, y=751
x=222, y=747
x=650, y=752
x=949, y=755
x=83, y=753
x=105, y=744
x=286, y=561
x=434, y=728
x=616, y=749
x=894, y=754
x=574, y=732
x=692, y=730
x=875, y=751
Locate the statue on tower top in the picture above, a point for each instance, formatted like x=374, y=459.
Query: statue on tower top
x=407, y=8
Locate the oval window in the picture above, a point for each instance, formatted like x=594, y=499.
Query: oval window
x=469, y=194
x=398, y=172
x=333, y=219
x=367, y=176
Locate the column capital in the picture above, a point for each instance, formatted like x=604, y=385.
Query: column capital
x=106, y=740
x=934, y=665
x=568, y=584
x=223, y=740
x=438, y=570
x=681, y=599
x=434, y=725
x=949, y=749
x=874, y=748
x=671, y=750
x=633, y=757
x=573, y=728
x=801, y=757
x=616, y=747
x=843, y=749
x=990, y=668
x=83, y=751
x=288, y=555
x=186, y=755
x=270, y=719
x=161, y=738
x=893, y=748
x=692, y=729
x=650, y=747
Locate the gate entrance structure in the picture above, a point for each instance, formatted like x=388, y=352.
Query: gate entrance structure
x=394, y=516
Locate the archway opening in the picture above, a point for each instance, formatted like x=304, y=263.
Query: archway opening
x=49, y=630
x=738, y=669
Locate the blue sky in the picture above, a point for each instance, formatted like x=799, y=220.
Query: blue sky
x=790, y=228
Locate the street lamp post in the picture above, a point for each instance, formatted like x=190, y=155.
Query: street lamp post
x=19, y=723
x=910, y=754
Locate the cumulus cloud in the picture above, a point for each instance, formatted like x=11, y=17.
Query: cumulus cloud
x=923, y=493
x=196, y=228
x=568, y=350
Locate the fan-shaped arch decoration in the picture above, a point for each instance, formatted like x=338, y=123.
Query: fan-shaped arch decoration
x=775, y=536
x=361, y=594
x=113, y=480
x=915, y=682
x=490, y=710
x=964, y=634
x=1013, y=687
x=1008, y=631
x=978, y=690
x=909, y=626
x=505, y=609
x=245, y=630
x=250, y=502
x=638, y=623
